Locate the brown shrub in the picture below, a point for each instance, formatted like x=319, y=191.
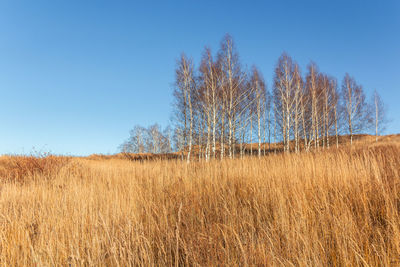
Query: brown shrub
x=23, y=168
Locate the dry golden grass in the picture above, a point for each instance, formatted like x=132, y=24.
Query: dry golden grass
x=331, y=208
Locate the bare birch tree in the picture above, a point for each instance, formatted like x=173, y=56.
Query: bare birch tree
x=258, y=85
x=210, y=78
x=186, y=83
x=312, y=80
x=379, y=114
x=298, y=88
x=357, y=113
x=233, y=84
x=284, y=95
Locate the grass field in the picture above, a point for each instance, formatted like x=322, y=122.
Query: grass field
x=337, y=207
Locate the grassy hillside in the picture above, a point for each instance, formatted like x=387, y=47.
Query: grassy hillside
x=337, y=207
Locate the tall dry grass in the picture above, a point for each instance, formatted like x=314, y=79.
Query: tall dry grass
x=332, y=208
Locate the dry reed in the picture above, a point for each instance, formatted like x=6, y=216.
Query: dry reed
x=332, y=208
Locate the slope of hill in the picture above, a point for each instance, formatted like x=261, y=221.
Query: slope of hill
x=359, y=140
x=332, y=207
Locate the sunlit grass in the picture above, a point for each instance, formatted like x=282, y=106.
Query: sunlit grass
x=330, y=208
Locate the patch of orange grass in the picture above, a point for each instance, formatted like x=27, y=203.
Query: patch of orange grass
x=329, y=208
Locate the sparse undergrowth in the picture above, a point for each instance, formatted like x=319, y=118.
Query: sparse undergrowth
x=330, y=208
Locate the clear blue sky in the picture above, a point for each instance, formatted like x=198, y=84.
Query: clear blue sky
x=75, y=76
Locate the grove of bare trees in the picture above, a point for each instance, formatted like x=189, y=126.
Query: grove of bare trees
x=221, y=109
x=148, y=140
